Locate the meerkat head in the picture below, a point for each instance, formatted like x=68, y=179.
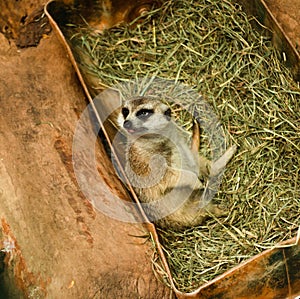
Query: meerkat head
x=143, y=115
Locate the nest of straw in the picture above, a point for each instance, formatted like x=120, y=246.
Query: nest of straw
x=211, y=46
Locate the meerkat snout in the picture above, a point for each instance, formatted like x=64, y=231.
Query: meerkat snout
x=127, y=124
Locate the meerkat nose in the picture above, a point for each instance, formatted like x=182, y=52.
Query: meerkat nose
x=127, y=124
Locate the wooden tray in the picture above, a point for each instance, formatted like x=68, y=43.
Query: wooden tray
x=272, y=274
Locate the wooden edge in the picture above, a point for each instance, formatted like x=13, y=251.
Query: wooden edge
x=236, y=274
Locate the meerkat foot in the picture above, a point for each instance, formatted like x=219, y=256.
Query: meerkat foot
x=211, y=210
x=216, y=210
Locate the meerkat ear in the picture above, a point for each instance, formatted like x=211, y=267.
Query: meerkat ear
x=168, y=113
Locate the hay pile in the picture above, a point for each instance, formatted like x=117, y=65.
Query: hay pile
x=210, y=45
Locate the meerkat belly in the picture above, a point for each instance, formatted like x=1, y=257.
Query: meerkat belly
x=151, y=171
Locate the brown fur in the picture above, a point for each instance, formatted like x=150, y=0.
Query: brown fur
x=161, y=138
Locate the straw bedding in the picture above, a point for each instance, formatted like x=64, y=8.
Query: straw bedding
x=211, y=46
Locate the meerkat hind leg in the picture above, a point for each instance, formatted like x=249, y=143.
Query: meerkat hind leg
x=219, y=165
x=207, y=167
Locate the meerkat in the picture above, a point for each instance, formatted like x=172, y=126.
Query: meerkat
x=164, y=170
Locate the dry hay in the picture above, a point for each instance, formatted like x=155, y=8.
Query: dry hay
x=211, y=46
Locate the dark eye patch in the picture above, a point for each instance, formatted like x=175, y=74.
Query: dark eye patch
x=125, y=112
x=144, y=113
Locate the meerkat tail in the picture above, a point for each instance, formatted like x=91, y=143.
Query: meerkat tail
x=219, y=165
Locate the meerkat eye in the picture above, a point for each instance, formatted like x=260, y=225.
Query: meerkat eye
x=125, y=112
x=144, y=113
x=168, y=113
